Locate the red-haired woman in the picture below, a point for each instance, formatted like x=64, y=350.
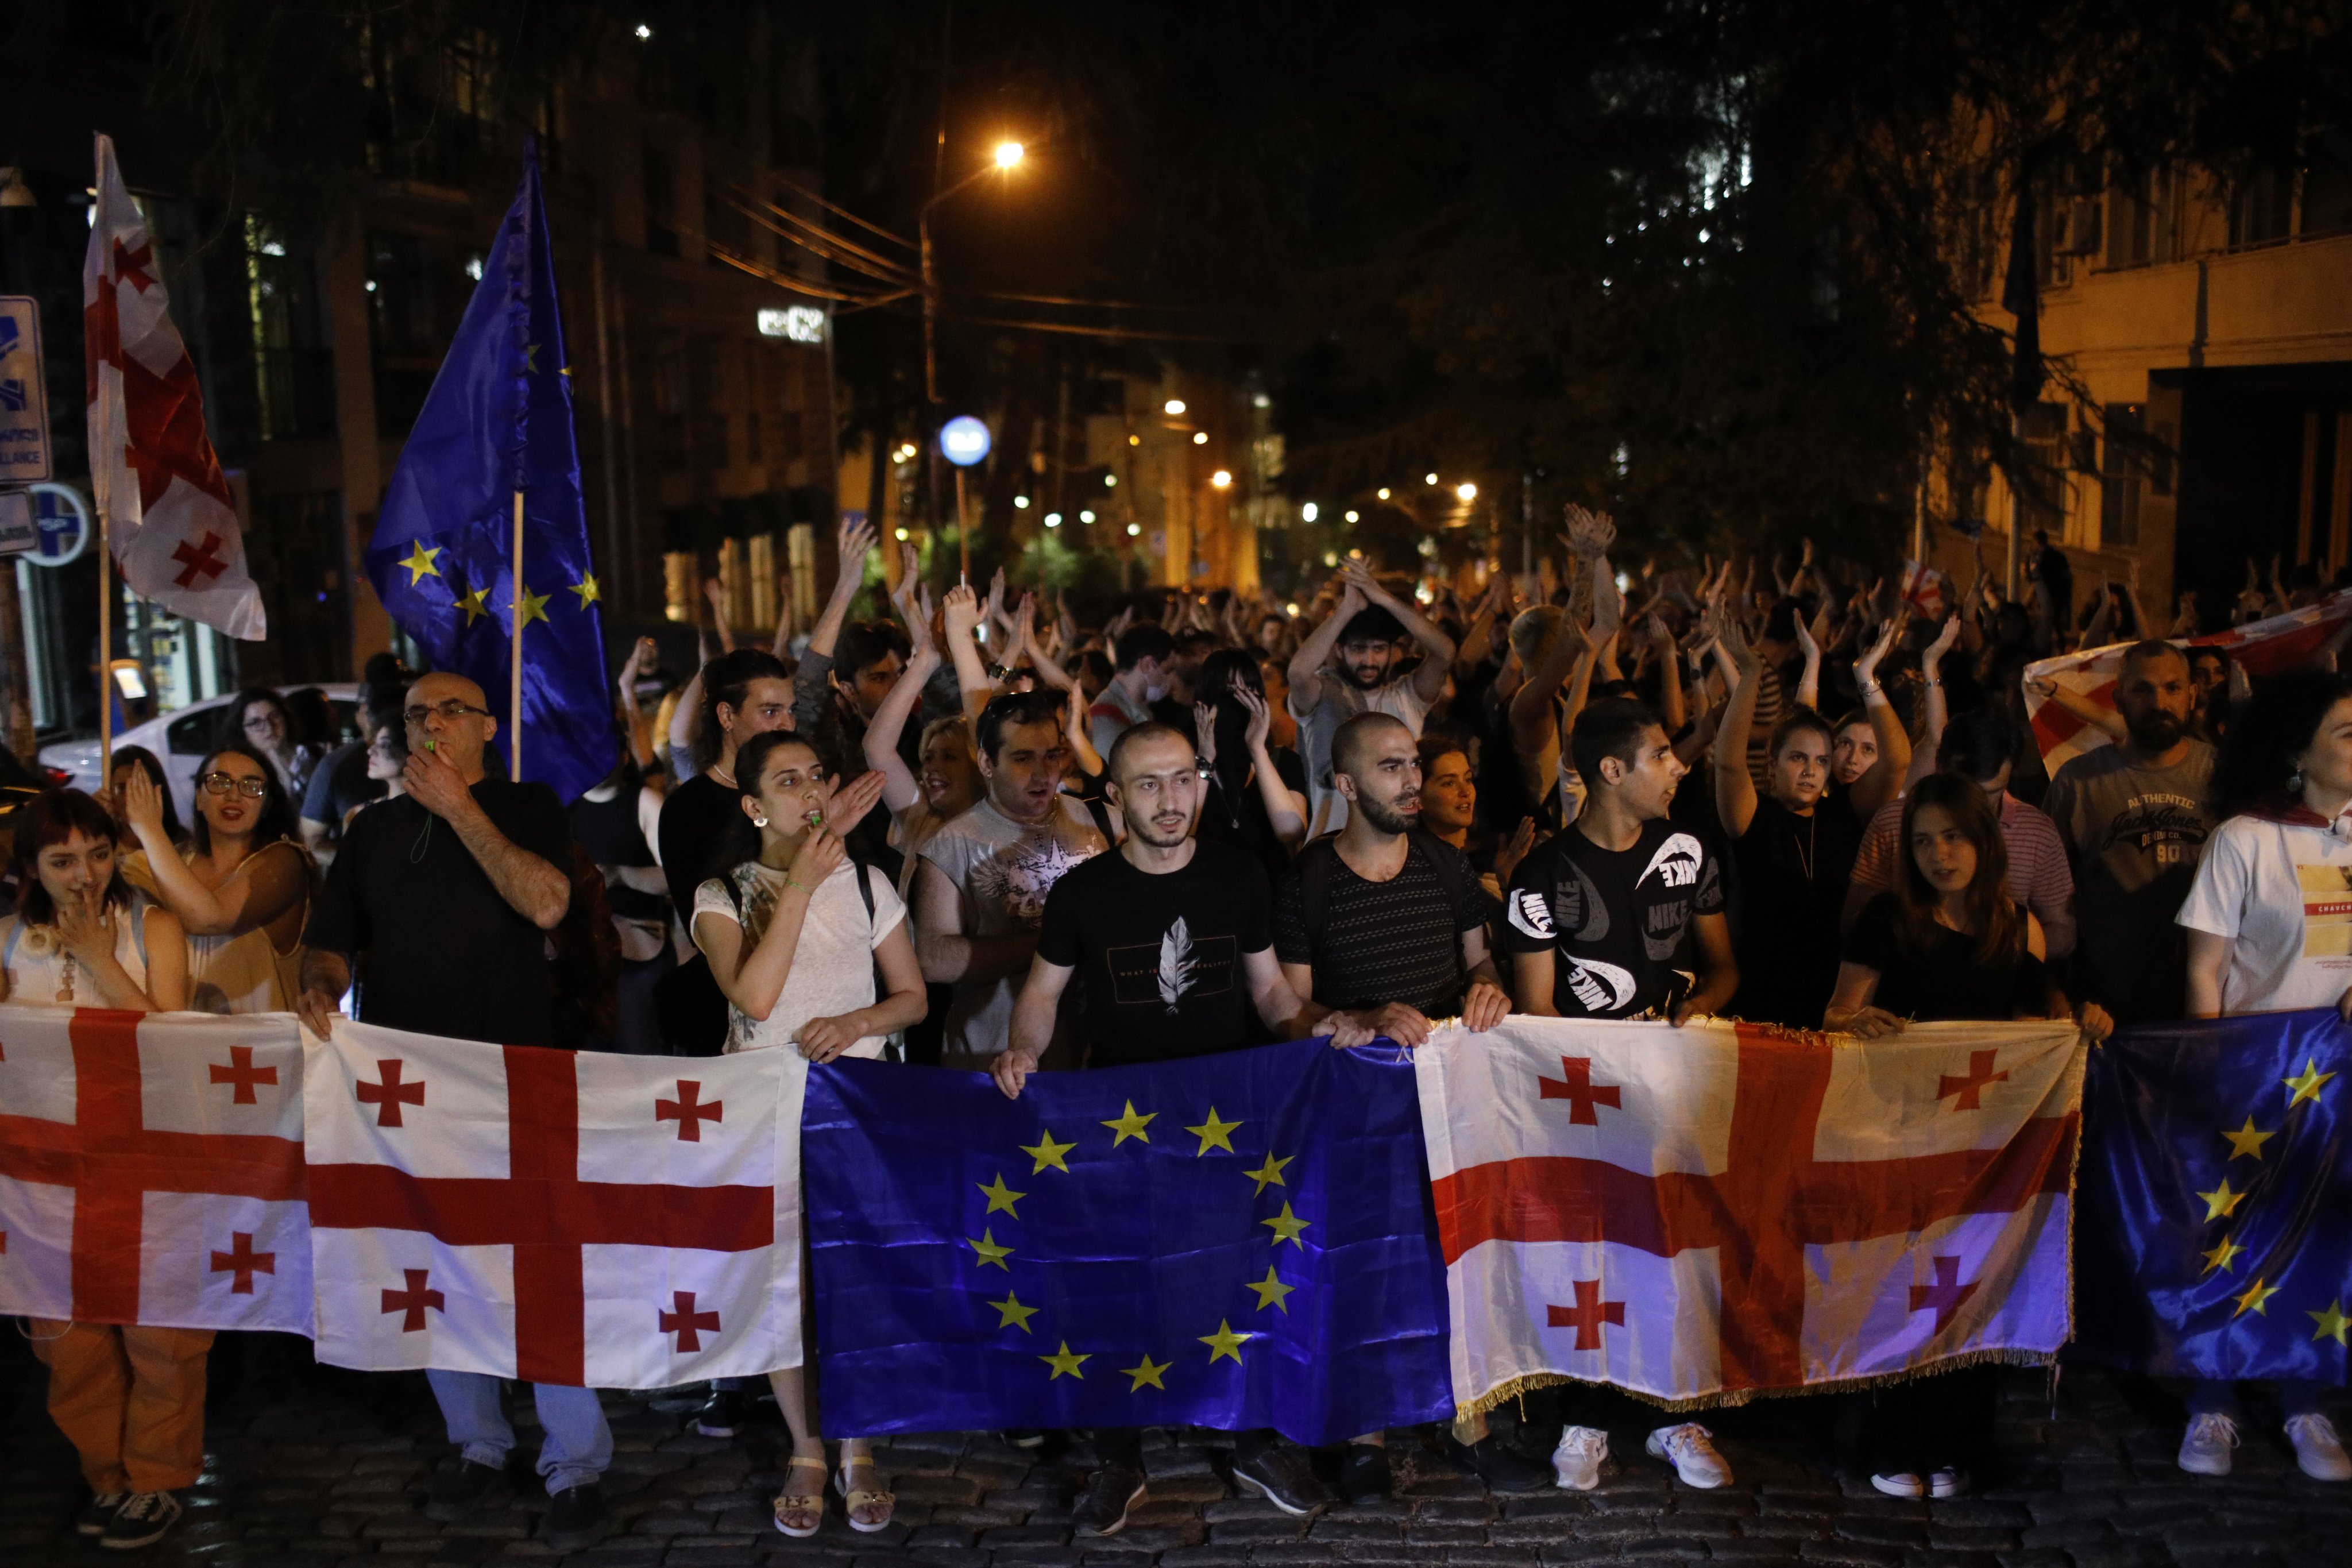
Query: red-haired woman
x=131, y=1399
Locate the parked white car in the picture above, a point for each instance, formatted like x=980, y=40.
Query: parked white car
x=182, y=738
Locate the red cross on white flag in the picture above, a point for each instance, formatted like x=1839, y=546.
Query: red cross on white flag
x=169, y=510
x=1702, y=1212
x=151, y=1170
x=537, y=1214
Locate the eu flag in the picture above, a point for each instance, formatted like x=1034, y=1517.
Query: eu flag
x=498, y=421
x=2215, y=1198
x=1232, y=1241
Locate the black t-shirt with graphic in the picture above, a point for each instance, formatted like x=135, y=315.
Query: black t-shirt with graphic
x=1158, y=956
x=1613, y=918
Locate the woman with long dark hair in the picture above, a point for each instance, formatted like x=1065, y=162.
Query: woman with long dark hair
x=130, y=760
x=795, y=931
x=1948, y=943
x=1256, y=799
x=2266, y=935
x=260, y=717
x=241, y=887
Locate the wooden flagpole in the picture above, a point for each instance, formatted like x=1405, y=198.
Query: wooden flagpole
x=521, y=610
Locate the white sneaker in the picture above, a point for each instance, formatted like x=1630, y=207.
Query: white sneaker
x=2316, y=1448
x=1694, y=1458
x=1948, y=1483
x=2205, y=1450
x=1577, y=1461
x=1902, y=1483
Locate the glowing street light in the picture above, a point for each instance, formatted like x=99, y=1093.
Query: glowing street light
x=1466, y=490
x=1308, y=512
x=1173, y=406
x=1429, y=479
x=1353, y=515
x=1199, y=438
x=1008, y=154
x=1384, y=493
x=1221, y=478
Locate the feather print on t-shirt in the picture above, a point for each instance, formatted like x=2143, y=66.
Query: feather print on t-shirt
x=1175, y=964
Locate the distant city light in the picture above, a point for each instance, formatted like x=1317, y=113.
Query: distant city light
x=1260, y=400
x=1052, y=519
x=1110, y=481
x=798, y=323
x=1022, y=503
x=1135, y=440
x=473, y=263
x=1173, y=406
x=1308, y=512
x=1221, y=478
x=963, y=440
x=1466, y=490
x=1384, y=493
x=1291, y=609
x=1353, y=515
x=1086, y=517
x=1008, y=154
x=1133, y=529
x=643, y=31
x=902, y=534
x=1199, y=438
x=1429, y=479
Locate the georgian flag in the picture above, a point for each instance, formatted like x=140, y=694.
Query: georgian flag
x=561, y=1217
x=1702, y=1214
x=168, y=509
x=151, y=1170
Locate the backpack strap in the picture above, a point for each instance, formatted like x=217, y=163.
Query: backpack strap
x=1098, y=808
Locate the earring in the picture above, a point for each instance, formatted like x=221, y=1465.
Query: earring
x=759, y=822
x=2295, y=781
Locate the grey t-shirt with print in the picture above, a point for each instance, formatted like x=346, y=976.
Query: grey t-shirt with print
x=1003, y=869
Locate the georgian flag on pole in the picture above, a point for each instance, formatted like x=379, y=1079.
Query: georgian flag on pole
x=169, y=510
x=1702, y=1214
x=562, y=1218
x=151, y=1170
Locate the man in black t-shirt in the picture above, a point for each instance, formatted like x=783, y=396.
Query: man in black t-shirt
x=1595, y=917
x=1171, y=938
x=445, y=897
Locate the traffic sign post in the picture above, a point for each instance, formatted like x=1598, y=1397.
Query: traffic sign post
x=23, y=393
x=61, y=526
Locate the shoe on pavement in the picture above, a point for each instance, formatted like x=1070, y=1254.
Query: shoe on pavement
x=459, y=1493
x=142, y=1521
x=1898, y=1483
x=1688, y=1450
x=1364, y=1474
x=575, y=1518
x=1948, y=1483
x=2316, y=1448
x=1025, y=1436
x=1111, y=1493
x=723, y=1414
x=2205, y=1448
x=1281, y=1473
x=1576, y=1463
x=99, y=1513
x=1503, y=1469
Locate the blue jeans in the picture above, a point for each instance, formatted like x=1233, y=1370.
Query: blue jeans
x=578, y=1446
x=2218, y=1396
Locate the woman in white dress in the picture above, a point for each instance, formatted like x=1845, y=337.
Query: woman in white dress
x=241, y=887
x=795, y=944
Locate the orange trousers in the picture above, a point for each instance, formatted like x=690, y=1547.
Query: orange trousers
x=130, y=1400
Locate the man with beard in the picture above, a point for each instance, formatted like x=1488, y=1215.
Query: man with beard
x=980, y=891
x=1174, y=939
x=2134, y=817
x=1326, y=692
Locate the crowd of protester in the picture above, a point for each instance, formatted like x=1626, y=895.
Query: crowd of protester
x=976, y=834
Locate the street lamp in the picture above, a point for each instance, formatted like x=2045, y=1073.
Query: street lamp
x=1007, y=155
x=1221, y=478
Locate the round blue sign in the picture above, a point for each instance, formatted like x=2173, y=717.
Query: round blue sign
x=61, y=519
x=963, y=440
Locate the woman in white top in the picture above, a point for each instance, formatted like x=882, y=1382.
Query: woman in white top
x=793, y=943
x=2269, y=930
x=242, y=885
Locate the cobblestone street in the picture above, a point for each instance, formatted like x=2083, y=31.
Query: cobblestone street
x=315, y=1467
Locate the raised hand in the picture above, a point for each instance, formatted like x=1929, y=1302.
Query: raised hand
x=1204, y=727
x=846, y=804
x=1515, y=849
x=1260, y=718
x=820, y=854
x=1932, y=655
x=851, y=544
x=85, y=926
x=1865, y=668
x=1589, y=533
x=143, y=811
x=962, y=610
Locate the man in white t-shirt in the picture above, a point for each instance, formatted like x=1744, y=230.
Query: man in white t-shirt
x=1344, y=670
x=980, y=892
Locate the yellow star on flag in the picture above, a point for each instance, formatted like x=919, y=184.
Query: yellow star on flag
x=1011, y=1313
x=2222, y=1257
x=2256, y=1295
x=2332, y=1322
x=1130, y=1125
x=1045, y=1151
x=1271, y=1291
x=420, y=563
x=1286, y=1226
x=533, y=607
x=2307, y=1085
x=1149, y=1372
x=1065, y=1363
x=989, y=1251
x=1269, y=1173
x=1225, y=1342
x=471, y=603
x=2221, y=1203
x=587, y=590
x=999, y=1196
x=2245, y=1142
x=1213, y=1134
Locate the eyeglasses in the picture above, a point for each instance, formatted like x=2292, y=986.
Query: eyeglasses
x=221, y=784
x=450, y=708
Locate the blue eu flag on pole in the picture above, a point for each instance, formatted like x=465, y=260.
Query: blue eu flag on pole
x=498, y=421
x=1232, y=1241
x=2215, y=1199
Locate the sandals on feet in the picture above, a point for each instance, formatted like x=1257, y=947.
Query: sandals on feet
x=854, y=1500
x=800, y=1514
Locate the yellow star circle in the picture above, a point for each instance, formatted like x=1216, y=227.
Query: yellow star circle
x=1045, y=1151
x=1213, y=1134
x=2222, y=1257
x=1270, y=1174
x=989, y=1251
x=2245, y=1142
x=1271, y=1291
x=999, y=1196
x=587, y=590
x=2332, y=1322
x=1286, y=1226
x=420, y=563
x=2306, y=1084
x=2253, y=1301
x=1065, y=1363
x=471, y=603
x=1130, y=1125
x=1147, y=1373
x=1225, y=1342
x=1011, y=1313
x=2221, y=1203
x=533, y=607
